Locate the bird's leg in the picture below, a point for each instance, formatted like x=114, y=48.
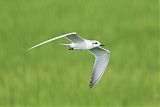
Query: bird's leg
x=70, y=48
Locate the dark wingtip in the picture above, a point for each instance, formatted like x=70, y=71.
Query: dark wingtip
x=91, y=85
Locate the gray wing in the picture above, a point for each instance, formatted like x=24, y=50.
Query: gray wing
x=101, y=62
x=73, y=37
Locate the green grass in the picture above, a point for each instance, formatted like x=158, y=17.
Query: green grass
x=53, y=76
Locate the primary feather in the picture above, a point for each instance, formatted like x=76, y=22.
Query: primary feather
x=70, y=36
x=101, y=62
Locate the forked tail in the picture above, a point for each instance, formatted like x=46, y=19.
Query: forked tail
x=68, y=45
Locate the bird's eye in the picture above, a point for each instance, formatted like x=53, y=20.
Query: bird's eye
x=95, y=43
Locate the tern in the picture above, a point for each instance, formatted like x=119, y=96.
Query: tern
x=101, y=55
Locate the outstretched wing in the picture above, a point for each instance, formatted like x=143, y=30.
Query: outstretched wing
x=73, y=37
x=101, y=62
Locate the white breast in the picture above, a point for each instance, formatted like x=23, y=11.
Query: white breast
x=82, y=45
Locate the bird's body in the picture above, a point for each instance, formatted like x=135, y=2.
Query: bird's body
x=86, y=45
x=93, y=46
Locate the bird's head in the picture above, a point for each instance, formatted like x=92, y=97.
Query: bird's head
x=96, y=43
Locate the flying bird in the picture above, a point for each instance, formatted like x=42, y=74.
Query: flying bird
x=95, y=47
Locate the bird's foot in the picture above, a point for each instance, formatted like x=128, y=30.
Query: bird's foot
x=70, y=48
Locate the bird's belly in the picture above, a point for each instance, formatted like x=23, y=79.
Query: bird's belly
x=80, y=46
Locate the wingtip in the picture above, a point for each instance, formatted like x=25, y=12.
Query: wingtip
x=28, y=50
x=91, y=85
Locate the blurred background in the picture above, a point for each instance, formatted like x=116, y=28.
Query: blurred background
x=51, y=75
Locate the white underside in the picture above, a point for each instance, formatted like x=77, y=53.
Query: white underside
x=81, y=46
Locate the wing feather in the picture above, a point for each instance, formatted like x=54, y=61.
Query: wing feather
x=70, y=36
x=101, y=62
x=75, y=38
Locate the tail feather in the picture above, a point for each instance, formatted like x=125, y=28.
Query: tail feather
x=65, y=44
x=68, y=45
